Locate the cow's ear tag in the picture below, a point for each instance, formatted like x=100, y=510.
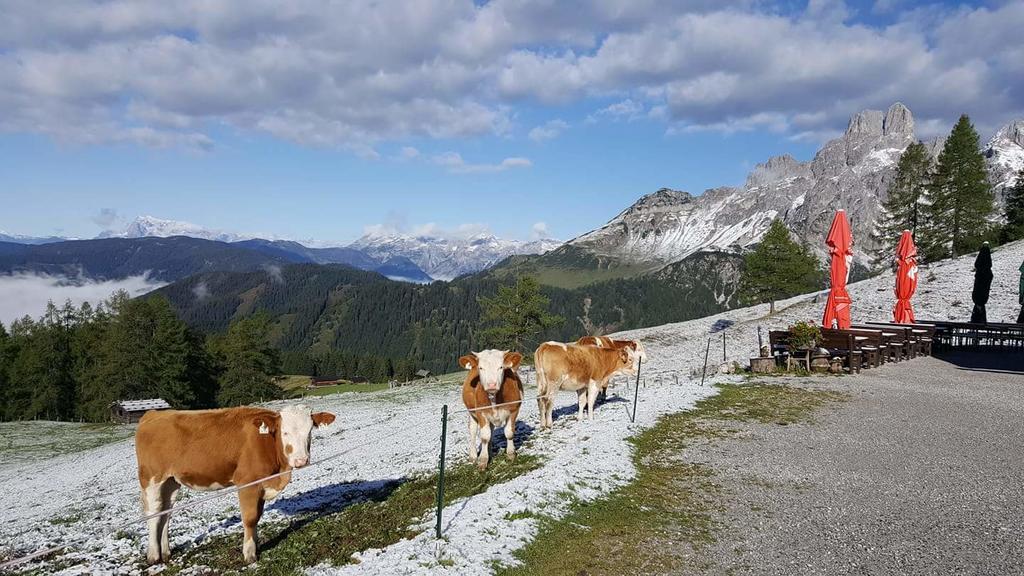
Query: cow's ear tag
x=263, y=428
x=469, y=366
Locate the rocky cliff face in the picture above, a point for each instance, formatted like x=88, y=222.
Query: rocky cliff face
x=1005, y=155
x=852, y=172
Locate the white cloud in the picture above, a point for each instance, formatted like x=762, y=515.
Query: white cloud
x=28, y=294
x=627, y=109
x=317, y=73
x=455, y=164
x=105, y=217
x=539, y=230
x=548, y=131
x=409, y=152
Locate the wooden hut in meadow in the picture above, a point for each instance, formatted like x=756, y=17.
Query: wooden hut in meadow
x=131, y=411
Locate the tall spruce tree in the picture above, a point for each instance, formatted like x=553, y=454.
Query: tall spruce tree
x=778, y=268
x=249, y=362
x=1014, y=211
x=905, y=207
x=515, y=314
x=960, y=197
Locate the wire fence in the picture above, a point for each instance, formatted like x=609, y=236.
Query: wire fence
x=659, y=378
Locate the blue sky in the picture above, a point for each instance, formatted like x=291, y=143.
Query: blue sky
x=514, y=116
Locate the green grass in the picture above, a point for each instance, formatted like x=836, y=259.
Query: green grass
x=652, y=524
x=29, y=441
x=296, y=386
x=340, y=388
x=375, y=520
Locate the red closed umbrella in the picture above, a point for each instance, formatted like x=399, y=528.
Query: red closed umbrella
x=906, y=279
x=840, y=247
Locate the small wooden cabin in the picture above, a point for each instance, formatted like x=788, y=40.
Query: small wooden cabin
x=131, y=411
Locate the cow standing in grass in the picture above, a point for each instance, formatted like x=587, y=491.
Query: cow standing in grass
x=211, y=449
x=639, y=354
x=585, y=369
x=493, y=394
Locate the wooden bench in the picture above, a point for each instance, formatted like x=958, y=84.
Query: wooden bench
x=897, y=343
x=780, y=348
x=842, y=343
x=921, y=335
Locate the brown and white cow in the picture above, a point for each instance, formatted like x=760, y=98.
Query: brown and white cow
x=211, y=449
x=492, y=380
x=585, y=369
x=639, y=354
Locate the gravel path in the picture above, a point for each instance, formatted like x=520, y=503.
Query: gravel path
x=920, y=472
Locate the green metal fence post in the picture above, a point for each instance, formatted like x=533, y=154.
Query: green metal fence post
x=440, y=467
x=704, y=372
x=636, y=393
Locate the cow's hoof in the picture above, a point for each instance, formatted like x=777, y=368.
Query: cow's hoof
x=481, y=466
x=152, y=560
x=511, y=456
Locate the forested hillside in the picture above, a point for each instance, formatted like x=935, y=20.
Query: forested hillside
x=166, y=259
x=322, y=310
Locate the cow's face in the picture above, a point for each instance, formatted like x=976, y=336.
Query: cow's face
x=640, y=353
x=491, y=366
x=296, y=432
x=627, y=360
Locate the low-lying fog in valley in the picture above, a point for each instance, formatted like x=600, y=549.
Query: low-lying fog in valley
x=27, y=294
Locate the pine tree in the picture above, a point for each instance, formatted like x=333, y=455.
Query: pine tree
x=961, y=200
x=249, y=362
x=1014, y=211
x=904, y=208
x=778, y=268
x=516, y=313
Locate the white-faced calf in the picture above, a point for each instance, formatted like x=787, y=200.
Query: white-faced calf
x=493, y=393
x=211, y=449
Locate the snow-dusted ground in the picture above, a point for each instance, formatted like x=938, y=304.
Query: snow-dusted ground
x=393, y=434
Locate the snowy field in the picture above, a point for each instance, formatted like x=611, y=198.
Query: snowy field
x=394, y=434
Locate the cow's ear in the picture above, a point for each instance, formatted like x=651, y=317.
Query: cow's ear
x=468, y=362
x=265, y=425
x=512, y=359
x=322, y=419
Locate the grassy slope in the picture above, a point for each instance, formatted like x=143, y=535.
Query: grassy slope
x=369, y=520
x=30, y=440
x=649, y=525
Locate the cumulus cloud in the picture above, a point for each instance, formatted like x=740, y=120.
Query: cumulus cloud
x=105, y=217
x=455, y=164
x=318, y=73
x=396, y=225
x=548, y=131
x=539, y=230
x=27, y=294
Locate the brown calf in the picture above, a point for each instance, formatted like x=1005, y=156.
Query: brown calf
x=585, y=369
x=211, y=449
x=492, y=380
x=606, y=342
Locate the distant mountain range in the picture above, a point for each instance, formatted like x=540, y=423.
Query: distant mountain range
x=670, y=230
x=418, y=259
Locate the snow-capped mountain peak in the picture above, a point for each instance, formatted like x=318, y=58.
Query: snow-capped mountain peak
x=446, y=256
x=1005, y=153
x=145, y=226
